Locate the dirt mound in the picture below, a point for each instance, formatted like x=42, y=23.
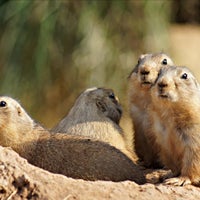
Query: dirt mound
x=20, y=180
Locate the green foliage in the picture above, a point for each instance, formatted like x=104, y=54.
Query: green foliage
x=51, y=50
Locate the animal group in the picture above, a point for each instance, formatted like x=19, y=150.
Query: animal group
x=88, y=143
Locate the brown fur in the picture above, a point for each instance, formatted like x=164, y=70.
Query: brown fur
x=96, y=114
x=73, y=156
x=141, y=79
x=176, y=105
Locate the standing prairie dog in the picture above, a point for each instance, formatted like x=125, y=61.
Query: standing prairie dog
x=175, y=113
x=96, y=114
x=141, y=79
x=73, y=156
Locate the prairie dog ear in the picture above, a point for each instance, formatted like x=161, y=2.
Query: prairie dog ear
x=101, y=106
x=142, y=56
x=139, y=61
x=19, y=110
x=135, y=69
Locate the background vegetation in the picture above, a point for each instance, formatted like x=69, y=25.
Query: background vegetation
x=51, y=50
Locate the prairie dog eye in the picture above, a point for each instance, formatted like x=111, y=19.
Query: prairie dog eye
x=184, y=76
x=164, y=62
x=3, y=103
x=111, y=96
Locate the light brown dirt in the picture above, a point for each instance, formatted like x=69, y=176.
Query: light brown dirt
x=20, y=180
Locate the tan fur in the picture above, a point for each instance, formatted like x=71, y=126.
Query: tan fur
x=96, y=114
x=141, y=79
x=73, y=156
x=176, y=106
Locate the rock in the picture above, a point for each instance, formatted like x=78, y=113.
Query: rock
x=20, y=180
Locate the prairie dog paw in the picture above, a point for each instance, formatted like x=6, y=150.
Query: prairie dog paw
x=196, y=181
x=157, y=176
x=178, y=181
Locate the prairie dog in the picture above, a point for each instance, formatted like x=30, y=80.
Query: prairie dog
x=96, y=113
x=73, y=156
x=140, y=81
x=175, y=112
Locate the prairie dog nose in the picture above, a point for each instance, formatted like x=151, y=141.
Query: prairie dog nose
x=144, y=71
x=162, y=84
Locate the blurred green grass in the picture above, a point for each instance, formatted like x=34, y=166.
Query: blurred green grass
x=51, y=50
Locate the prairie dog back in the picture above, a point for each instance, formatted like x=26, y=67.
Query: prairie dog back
x=141, y=79
x=85, y=158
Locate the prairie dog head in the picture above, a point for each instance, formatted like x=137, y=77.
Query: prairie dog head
x=176, y=84
x=14, y=121
x=106, y=102
x=146, y=71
